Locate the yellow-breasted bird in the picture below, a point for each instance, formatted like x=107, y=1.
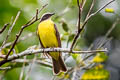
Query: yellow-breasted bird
x=49, y=38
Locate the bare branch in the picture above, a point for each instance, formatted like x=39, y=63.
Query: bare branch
x=106, y=35
x=33, y=51
x=22, y=28
x=4, y=27
x=91, y=7
x=102, y=7
x=66, y=50
x=80, y=7
x=34, y=17
x=43, y=63
x=76, y=74
x=5, y=68
x=85, y=22
x=30, y=68
x=19, y=40
x=37, y=11
x=2, y=56
x=10, y=30
x=93, y=14
x=109, y=31
x=83, y=3
x=23, y=68
x=113, y=26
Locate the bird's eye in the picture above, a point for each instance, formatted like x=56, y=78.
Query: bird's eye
x=44, y=17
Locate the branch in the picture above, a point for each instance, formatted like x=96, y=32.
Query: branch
x=109, y=31
x=91, y=7
x=93, y=14
x=23, y=68
x=5, y=68
x=30, y=67
x=45, y=50
x=80, y=8
x=2, y=56
x=36, y=61
x=30, y=22
x=4, y=27
x=10, y=30
x=86, y=20
x=21, y=39
x=106, y=35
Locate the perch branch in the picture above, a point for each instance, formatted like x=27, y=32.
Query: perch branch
x=4, y=27
x=33, y=51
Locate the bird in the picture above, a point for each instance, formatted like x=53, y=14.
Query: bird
x=49, y=37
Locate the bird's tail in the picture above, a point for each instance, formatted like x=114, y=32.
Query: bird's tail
x=58, y=65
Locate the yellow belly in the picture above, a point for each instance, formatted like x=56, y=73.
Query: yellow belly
x=47, y=34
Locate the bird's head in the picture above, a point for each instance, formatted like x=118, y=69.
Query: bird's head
x=46, y=16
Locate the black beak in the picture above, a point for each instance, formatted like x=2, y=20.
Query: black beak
x=52, y=14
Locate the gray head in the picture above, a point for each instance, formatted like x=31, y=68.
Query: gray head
x=46, y=16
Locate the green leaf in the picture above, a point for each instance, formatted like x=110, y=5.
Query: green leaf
x=74, y=2
x=71, y=36
x=75, y=56
x=65, y=26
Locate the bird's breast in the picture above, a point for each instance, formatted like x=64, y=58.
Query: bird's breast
x=47, y=34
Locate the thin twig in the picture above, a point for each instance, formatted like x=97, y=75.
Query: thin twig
x=37, y=11
x=23, y=68
x=21, y=39
x=109, y=31
x=78, y=30
x=30, y=22
x=93, y=14
x=31, y=64
x=85, y=22
x=106, y=35
x=30, y=68
x=76, y=74
x=10, y=30
x=91, y=7
x=2, y=56
x=83, y=3
x=5, y=68
x=88, y=14
x=22, y=28
x=43, y=63
x=113, y=26
x=4, y=27
x=34, y=17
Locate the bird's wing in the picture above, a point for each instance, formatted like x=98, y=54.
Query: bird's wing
x=39, y=39
x=58, y=36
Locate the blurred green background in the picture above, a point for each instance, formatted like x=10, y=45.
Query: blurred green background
x=66, y=15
